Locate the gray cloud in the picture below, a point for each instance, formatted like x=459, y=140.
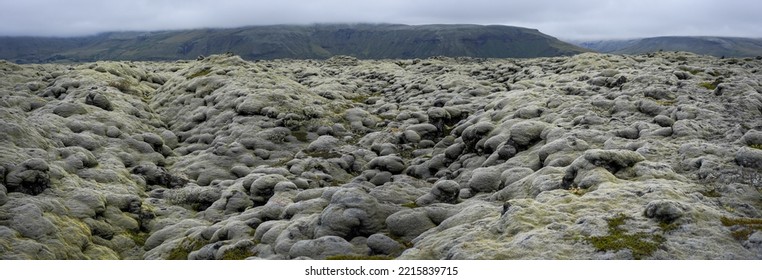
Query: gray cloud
x=579, y=19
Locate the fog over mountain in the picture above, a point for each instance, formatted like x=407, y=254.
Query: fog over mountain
x=576, y=19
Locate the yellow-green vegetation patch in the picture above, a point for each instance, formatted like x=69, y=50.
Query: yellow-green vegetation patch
x=358, y=257
x=411, y=204
x=138, y=237
x=178, y=253
x=744, y=227
x=711, y=193
x=577, y=190
x=361, y=98
x=239, y=253
x=756, y=146
x=323, y=154
x=185, y=247
x=711, y=85
x=667, y=227
x=708, y=85
x=640, y=244
x=741, y=221
x=201, y=73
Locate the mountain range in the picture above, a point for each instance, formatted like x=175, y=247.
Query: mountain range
x=366, y=41
x=715, y=46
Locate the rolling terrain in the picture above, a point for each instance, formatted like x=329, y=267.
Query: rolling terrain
x=592, y=156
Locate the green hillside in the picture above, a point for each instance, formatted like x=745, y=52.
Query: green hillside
x=370, y=41
x=715, y=46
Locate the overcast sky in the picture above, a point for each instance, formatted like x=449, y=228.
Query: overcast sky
x=571, y=19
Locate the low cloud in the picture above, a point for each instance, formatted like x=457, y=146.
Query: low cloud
x=574, y=19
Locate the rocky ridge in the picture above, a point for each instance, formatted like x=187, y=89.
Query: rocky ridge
x=593, y=156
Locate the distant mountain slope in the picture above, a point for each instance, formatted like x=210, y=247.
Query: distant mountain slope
x=716, y=46
x=372, y=41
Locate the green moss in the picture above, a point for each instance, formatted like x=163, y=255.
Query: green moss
x=667, y=227
x=742, y=227
x=710, y=193
x=756, y=146
x=742, y=234
x=138, y=237
x=713, y=85
x=616, y=222
x=323, y=154
x=178, y=253
x=694, y=71
x=362, y=98
x=359, y=99
x=411, y=204
x=406, y=153
x=357, y=257
x=185, y=247
x=300, y=135
x=708, y=85
x=740, y=221
x=239, y=253
x=641, y=244
x=201, y=73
